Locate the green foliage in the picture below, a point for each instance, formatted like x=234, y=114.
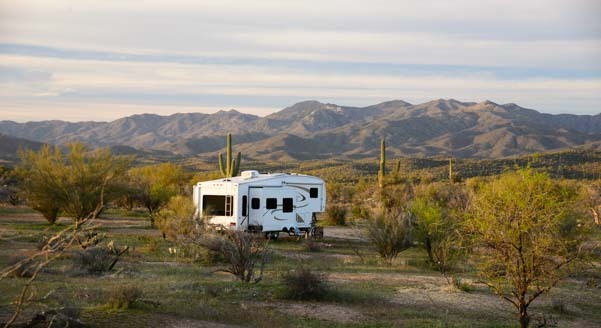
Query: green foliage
x=231, y=167
x=395, y=196
x=73, y=183
x=336, y=215
x=153, y=186
x=204, y=176
x=529, y=234
x=390, y=233
x=176, y=220
x=438, y=214
x=9, y=186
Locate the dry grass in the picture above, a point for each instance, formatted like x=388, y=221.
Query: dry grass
x=177, y=292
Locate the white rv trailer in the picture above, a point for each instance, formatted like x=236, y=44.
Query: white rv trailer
x=268, y=203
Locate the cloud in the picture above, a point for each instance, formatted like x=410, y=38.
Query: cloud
x=261, y=86
x=265, y=55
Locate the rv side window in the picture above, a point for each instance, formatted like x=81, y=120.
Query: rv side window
x=313, y=192
x=288, y=207
x=217, y=205
x=244, y=205
x=255, y=203
x=271, y=203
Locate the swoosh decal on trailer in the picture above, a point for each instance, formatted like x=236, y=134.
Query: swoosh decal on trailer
x=303, y=198
x=299, y=187
x=271, y=211
x=275, y=217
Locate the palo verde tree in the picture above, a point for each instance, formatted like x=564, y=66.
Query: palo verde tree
x=154, y=185
x=41, y=177
x=529, y=234
x=71, y=182
x=231, y=167
x=77, y=184
x=437, y=221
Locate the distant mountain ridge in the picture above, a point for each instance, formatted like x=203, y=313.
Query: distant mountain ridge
x=310, y=129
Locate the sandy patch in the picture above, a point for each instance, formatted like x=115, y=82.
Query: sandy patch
x=342, y=233
x=320, y=311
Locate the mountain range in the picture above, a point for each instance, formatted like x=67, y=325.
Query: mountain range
x=310, y=130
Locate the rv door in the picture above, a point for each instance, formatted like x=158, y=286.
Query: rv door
x=256, y=206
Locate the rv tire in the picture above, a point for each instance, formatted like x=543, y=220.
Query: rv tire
x=272, y=235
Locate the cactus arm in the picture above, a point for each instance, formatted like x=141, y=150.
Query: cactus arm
x=221, y=166
x=228, y=159
x=397, y=170
x=383, y=157
x=237, y=161
x=451, y=169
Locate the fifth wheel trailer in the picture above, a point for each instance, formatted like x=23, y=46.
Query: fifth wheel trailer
x=268, y=203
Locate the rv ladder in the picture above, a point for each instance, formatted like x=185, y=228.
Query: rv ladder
x=228, y=205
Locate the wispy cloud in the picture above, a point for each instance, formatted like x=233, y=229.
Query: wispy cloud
x=190, y=55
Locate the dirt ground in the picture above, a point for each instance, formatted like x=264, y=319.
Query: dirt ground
x=370, y=294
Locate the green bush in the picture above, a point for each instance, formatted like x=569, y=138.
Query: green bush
x=336, y=215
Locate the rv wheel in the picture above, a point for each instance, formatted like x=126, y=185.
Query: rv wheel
x=272, y=235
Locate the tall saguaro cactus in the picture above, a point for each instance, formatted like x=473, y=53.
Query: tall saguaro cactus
x=231, y=167
x=451, y=169
x=382, y=171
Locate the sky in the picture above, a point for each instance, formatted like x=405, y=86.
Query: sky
x=101, y=60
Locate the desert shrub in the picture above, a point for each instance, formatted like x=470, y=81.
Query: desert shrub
x=242, y=252
x=390, y=233
x=93, y=260
x=438, y=211
x=175, y=220
x=304, y=284
x=336, y=215
x=97, y=259
x=123, y=297
x=360, y=212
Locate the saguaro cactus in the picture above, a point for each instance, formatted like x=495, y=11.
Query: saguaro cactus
x=231, y=167
x=451, y=169
x=397, y=169
x=382, y=171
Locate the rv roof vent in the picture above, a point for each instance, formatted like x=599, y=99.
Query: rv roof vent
x=249, y=174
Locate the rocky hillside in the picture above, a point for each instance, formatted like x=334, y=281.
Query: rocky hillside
x=312, y=129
